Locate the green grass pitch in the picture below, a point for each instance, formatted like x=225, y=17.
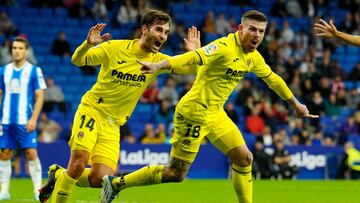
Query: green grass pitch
x=213, y=191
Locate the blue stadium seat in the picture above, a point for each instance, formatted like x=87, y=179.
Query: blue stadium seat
x=46, y=12
x=30, y=12
x=60, y=12
x=209, y=37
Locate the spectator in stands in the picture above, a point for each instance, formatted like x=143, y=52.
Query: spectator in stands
x=150, y=137
x=246, y=91
x=354, y=74
x=329, y=30
x=169, y=92
x=222, y=25
x=315, y=103
x=6, y=25
x=317, y=140
x=208, y=25
x=49, y=130
x=165, y=113
x=324, y=87
x=151, y=93
x=233, y=24
x=329, y=141
x=255, y=123
x=54, y=96
x=5, y=52
x=353, y=98
x=187, y=87
x=281, y=159
x=263, y=164
x=332, y=108
x=100, y=10
x=353, y=160
x=126, y=135
x=287, y=34
x=337, y=84
x=278, y=9
x=176, y=40
x=293, y=8
x=230, y=112
x=80, y=10
x=61, y=45
x=127, y=13
x=267, y=138
x=347, y=128
x=348, y=25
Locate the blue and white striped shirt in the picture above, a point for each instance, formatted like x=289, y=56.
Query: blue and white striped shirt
x=18, y=86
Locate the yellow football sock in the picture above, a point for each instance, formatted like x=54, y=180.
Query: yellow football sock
x=63, y=188
x=83, y=181
x=242, y=181
x=148, y=175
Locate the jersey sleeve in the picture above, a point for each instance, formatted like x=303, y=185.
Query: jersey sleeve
x=87, y=55
x=38, y=79
x=99, y=54
x=213, y=52
x=261, y=69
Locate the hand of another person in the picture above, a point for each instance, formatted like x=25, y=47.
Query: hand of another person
x=325, y=29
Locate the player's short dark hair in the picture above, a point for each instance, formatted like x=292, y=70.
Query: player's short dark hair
x=254, y=15
x=151, y=16
x=23, y=40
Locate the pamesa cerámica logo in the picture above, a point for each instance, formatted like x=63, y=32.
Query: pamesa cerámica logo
x=309, y=161
x=143, y=157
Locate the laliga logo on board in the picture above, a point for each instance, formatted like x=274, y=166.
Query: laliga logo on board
x=309, y=161
x=143, y=157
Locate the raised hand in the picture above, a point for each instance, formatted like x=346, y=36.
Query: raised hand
x=192, y=42
x=325, y=29
x=94, y=37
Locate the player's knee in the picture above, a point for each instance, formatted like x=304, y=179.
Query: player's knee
x=245, y=160
x=30, y=154
x=5, y=155
x=75, y=169
x=95, y=181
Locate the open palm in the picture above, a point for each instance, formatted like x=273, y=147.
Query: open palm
x=193, y=39
x=94, y=36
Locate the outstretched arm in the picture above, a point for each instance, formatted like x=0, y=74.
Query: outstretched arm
x=329, y=30
x=175, y=63
x=94, y=38
x=277, y=84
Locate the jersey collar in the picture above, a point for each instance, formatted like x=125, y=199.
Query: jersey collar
x=135, y=48
x=237, y=38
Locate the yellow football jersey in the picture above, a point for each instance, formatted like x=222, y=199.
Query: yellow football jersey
x=119, y=84
x=224, y=65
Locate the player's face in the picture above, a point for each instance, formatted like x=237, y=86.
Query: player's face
x=19, y=51
x=156, y=36
x=251, y=34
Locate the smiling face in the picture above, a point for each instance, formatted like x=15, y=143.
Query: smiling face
x=251, y=33
x=155, y=36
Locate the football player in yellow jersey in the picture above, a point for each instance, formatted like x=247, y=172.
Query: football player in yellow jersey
x=109, y=103
x=201, y=113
